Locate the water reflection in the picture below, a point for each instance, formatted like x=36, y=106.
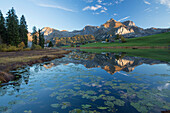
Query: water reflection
x=112, y=62
x=89, y=83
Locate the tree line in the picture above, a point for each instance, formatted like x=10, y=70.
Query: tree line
x=14, y=31
x=77, y=39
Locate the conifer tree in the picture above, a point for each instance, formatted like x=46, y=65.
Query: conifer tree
x=12, y=28
x=23, y=31
x=41, y=39
x=50, y=44
x=2, y=28
x=34, y=36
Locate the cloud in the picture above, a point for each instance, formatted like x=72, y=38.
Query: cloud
x=94, y=8
x=118, y=1
x=124, y=18
x=88, y=1
x=102, y=11
x=165, y=2
x=114, y=14
x=148, y=10
x=99, y=1
x=146, y=2
x=55, y=6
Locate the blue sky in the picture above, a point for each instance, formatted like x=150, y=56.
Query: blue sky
x=75, y=14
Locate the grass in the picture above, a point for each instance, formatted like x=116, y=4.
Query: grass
x=157, y=54
x=151, y=41
x=16, y=59
x=7, y=59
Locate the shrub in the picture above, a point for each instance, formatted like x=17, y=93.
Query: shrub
x=123, y=39
x=27, y=49
x=10, y=48
x=21, y=45
x=3, y=46
x=36, y=47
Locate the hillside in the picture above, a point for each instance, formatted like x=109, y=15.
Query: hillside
x=152, y=40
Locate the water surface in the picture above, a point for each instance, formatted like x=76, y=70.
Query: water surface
x=93, y=83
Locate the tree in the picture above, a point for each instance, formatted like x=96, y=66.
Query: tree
x=23, y=31
x=41, y=39
x=2, y=28
x=34, y=36
x=12, y=28
x=117, y=36
x=50, y=44
x=123, y=39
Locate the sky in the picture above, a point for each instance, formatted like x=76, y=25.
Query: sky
x=76, y=14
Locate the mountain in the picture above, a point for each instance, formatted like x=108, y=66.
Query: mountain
x=110, y=28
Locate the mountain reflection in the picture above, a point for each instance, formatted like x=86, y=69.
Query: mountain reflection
x=111, y=62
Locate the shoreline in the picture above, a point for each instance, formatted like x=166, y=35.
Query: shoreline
x=5, y=68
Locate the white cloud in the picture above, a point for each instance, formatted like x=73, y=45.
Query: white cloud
x=105, y=8
x=94, y=8
x=55, y=6
x=124, y=18
x=148, y=10
x=103, y=11
x=165, y=2
x=146, y=2
x=99, y=1
x=118, y=1
x=114, y=14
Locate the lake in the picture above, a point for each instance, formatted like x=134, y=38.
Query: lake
x=89, y=83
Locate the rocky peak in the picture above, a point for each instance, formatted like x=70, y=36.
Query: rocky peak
x=129, y=23
x=112, y=24
x=47, y=30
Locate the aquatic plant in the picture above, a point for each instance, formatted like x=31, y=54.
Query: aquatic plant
x=27, y=111
x=102, y=108
x=86, y=106
x=109, y=98
x=64, y=105
x=55, y=105
x=119, y=102
x=107, y=92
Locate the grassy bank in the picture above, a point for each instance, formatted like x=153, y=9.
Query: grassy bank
x=13, y=60
x=150, y=41
x=157, y=54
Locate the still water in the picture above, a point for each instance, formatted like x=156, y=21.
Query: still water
x=89, y=83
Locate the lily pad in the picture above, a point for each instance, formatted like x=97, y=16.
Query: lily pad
x=55, y=105
x=65, y=105
x=107, y=92
x=86, y=106
x=102, y=108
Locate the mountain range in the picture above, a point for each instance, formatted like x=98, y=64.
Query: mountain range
x=111, y=27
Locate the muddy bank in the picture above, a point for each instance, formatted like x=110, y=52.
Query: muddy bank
x=34, y=57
